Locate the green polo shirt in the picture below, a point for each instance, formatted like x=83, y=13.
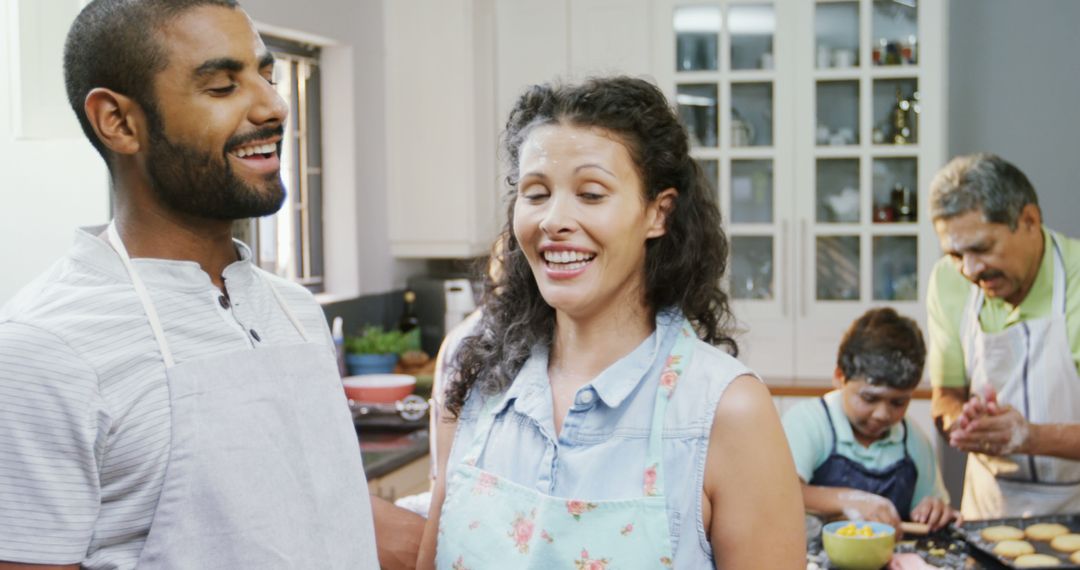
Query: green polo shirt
x=948, y=295
x=811, y=442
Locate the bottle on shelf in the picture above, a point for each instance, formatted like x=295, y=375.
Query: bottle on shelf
x=410, y=323
x=338, y=335
x=901, y=127
x=903, y=203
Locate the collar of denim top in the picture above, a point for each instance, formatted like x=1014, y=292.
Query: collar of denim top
x=530, y=393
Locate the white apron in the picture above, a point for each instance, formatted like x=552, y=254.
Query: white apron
x=264, y=466
x=1031, y=367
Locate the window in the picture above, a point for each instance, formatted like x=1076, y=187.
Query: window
x=290, y=243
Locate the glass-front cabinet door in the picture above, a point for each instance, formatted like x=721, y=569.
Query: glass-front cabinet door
x=872, y=130
x=820, y=124
x=734, y=95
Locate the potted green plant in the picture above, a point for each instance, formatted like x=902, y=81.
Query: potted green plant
x=374, y=350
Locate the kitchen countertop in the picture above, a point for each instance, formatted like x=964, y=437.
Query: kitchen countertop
x=385, y=451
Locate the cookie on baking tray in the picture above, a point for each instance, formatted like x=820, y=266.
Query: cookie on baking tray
x=1036, y=561
x=1075, y=557
x=1045, y=531
x=1013, y=548
x=1066, y=543
x=1001, y=532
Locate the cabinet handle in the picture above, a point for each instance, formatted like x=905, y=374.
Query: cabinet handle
x=785, y=260
x=805, y=283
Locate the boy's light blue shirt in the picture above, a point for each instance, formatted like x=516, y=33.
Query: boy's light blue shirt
x=811, y=442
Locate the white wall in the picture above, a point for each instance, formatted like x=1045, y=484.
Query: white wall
x=1014, y=89
x=52, y=179
x=51, y=186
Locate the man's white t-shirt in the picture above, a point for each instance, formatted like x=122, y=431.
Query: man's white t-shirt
x=84, y=405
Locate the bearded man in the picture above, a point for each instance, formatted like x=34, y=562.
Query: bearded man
x=164, y=403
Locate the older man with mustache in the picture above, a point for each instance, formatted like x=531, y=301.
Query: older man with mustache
x=1004, y=322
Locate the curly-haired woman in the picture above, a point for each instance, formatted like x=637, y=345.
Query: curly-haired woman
x=594, y=418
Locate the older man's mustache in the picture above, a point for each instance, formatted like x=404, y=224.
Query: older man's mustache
x=988, y=275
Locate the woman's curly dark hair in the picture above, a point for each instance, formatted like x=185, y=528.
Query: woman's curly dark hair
x=683, y=268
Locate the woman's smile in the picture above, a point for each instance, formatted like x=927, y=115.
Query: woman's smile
x=563, y=263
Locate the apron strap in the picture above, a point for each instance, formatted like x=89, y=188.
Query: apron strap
x=285, y=307
x=903, y=422
x=144, y=296
x=1061, y=284
x=669, y=379
x=970, y=327
x=832, y=428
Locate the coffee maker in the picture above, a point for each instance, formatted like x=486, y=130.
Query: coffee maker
x=441, y=303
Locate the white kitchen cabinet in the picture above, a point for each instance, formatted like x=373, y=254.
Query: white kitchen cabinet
x=454, y=70
x=442, y=180
x=539, y=41
x=788, y=112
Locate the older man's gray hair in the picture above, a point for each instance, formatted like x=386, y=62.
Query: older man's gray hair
x=981, y=182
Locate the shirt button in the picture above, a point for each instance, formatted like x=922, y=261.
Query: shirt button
x=223, y=301
x=255, y=335
x=585, y=397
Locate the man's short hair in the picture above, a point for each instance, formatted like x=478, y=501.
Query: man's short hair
x=981, y=182
x=114, y=44
x=883, y=348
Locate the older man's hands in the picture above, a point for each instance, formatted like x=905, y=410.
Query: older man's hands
x=984, y=426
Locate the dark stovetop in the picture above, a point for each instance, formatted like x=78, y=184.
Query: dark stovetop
x=387, y=441
x=385, y=451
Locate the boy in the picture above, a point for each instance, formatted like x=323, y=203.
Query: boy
x=856, y=454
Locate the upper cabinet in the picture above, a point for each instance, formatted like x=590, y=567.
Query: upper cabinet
x=454, y=70
x=821, y=124
x=544, y=40
x=442, y=179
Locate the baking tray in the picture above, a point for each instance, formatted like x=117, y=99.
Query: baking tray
x=970, y=531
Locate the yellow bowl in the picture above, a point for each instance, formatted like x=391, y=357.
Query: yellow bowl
x=859, y=552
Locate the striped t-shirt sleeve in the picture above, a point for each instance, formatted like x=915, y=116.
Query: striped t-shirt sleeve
x=50, y=412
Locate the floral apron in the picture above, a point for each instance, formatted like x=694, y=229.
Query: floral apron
x=490, y=522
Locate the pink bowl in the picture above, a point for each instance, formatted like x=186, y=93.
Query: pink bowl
x=378, y=388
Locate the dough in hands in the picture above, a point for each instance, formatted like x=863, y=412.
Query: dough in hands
x=1066, y=543
x=1036, y=561
x=1045, y=531
x=1013, y=548
x=1001, y=532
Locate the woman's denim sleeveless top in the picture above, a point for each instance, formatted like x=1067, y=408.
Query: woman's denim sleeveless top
x=604, y=439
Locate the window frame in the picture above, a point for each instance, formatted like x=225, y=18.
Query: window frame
x=299, y=223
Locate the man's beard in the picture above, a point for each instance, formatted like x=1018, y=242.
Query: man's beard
x=194, y=183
